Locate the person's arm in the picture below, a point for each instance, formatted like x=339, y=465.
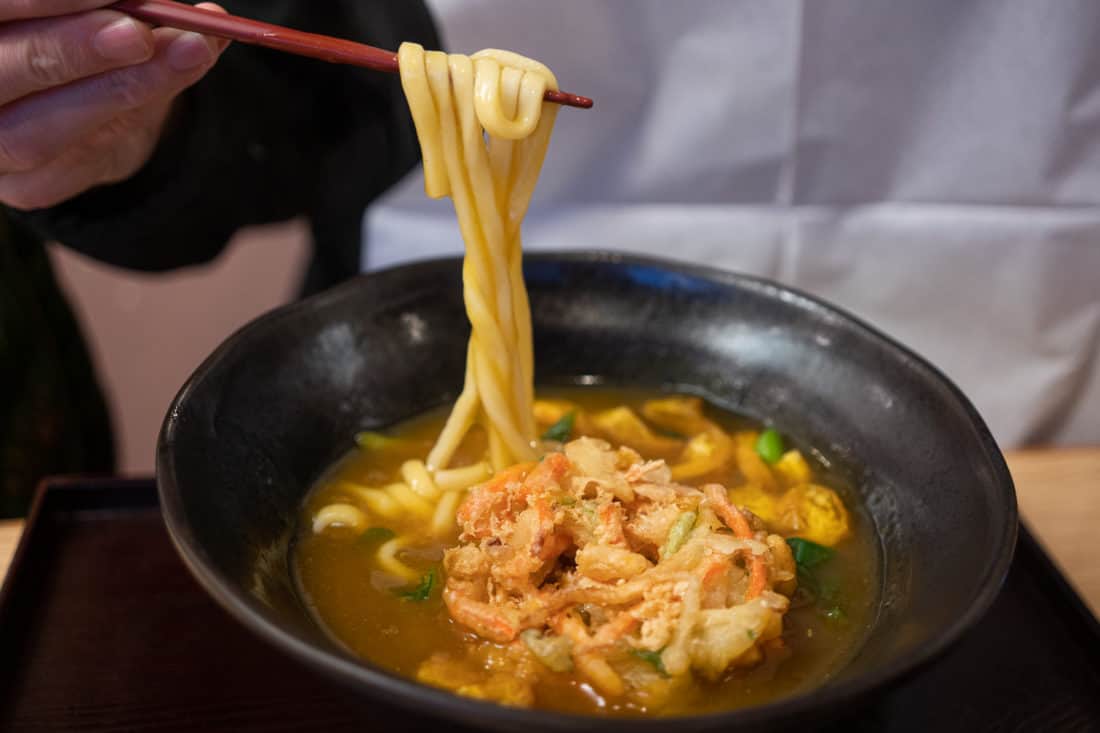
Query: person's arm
x=265, y=136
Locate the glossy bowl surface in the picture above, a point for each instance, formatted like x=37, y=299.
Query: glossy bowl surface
x=282, y=398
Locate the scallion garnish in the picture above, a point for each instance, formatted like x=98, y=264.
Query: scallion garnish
x=562, y=429
x=808, y=555
x=423, y=591
x=653, y=658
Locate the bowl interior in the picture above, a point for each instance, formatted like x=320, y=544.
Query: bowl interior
x=282, y=399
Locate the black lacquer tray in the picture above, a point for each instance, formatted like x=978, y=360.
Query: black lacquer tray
x=103, y=629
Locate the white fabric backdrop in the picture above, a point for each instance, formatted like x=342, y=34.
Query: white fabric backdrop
x=932, y=166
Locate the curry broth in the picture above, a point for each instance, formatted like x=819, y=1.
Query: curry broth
x=361, y=608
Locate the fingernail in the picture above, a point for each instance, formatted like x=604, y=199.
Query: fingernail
x=123, y=40
x=189, y=51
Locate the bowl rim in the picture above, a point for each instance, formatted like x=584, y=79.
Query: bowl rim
x=377, y=682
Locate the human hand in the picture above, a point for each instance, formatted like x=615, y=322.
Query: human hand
x=84, y=95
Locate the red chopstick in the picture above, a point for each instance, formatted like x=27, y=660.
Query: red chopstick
x=335, y=50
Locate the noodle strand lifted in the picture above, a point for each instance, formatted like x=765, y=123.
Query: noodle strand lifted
x=457, y=102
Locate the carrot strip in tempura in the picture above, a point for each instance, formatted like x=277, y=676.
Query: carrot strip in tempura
x=735, y=520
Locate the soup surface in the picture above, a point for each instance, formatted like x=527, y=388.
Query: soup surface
x=393, y=613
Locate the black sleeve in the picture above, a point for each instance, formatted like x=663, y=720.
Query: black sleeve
x=265, y=137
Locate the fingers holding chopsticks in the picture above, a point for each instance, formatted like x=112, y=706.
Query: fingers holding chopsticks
x=45, y=53
x=28, y=9
x=84, y=96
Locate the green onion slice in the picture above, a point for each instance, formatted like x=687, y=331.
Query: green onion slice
x=562, y=429
x=423, y=591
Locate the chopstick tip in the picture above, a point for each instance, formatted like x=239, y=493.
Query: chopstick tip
x=569, y=100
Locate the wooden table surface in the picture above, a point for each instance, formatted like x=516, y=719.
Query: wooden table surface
x=1059, y=494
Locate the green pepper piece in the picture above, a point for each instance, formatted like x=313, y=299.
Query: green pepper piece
x=770, y=445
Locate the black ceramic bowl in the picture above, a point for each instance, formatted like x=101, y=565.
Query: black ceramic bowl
x=276, y=404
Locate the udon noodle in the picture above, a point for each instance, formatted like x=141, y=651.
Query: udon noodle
x=457, y=102
x=484, y=130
